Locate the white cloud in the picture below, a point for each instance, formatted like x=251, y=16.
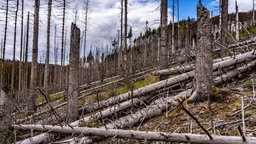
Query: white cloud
x=104, y=21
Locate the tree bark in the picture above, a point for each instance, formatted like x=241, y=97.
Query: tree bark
x=156, y=108
x=4, y=46
x=237, y=23
x=204, y=57
x=224, y=27
x=33, y=79
x=6, y=135
x=62, y=46
x=142, y=135
x=163, y=59
x=46, y=70
x=14, y=46
x=21, y=47
x=73, y=86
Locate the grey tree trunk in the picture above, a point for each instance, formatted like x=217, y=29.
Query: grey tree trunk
x=3, y=51
x=46, y=69
x=62, y=45
x=73, y=86
x=14, y=46
x=224, y=27
x=33, y=79
x=204, y=56
x=237, y=23
x=120, y=52
x=141, y=135
x=21, y=46
x=163, y=59
x=125, y=43
x=26, y=56
x=6, y=135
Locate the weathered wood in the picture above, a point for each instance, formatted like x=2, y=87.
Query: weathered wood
x=158, y=105
x=163, y=59
x=155, y=108
x=204, y=58
x=73, y=85
x=5, y=119
x=219, y=64
x=141, y=135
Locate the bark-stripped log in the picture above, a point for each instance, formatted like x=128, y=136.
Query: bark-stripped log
x=142, y=135
x=227, y=61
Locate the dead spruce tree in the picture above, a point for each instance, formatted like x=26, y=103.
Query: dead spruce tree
x=33, y=77
x=224, y=27
x=46, y=70
x=21, y=45
x=204, y=58
x=73, y=85
x=163, y=61
x=14, y=45
x=5, y=119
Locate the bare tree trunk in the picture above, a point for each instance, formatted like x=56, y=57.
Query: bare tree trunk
x=163, y=59
x=86, y=9
x=224, y=27
x=46, y=70
x=55, y=58
x=6, y=135
x=33, y=79
x=5, y=36
x=26, y=56
x=62, y=45
x=14, y=46
x=253, y=14
x=120, y=53
x=21, y=46
x=73, y=87
x=237, y=23
x=125, y=42
x=140, y=135
x=204, y=58
x=173, y=25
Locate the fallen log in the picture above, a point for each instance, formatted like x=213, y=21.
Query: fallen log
x=99, y=115
x=218, y=65
x=141, y=135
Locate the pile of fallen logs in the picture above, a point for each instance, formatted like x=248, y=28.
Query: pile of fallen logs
x=124, y=101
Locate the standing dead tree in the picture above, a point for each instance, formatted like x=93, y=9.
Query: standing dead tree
x=204, y=58
x=46, y=70
x=224, y=27
x=5, y=119
x=33, y=79
x=21, y=45
x=4, y=46
x=14, y=45
x=73, y=86
x=163, y=61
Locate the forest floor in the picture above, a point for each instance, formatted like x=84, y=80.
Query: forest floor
x=226, y=100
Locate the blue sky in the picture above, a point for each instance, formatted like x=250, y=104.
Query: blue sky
x=188, y=7
x=104, y=20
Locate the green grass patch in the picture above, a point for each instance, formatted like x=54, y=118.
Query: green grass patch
x=247, y=84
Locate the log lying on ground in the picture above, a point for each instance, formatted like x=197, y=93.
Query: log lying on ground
x=182, y=68
x=141, y=135
x=220, y=64
x=99, y=115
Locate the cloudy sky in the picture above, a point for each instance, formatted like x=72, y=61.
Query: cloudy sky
x=104, y=20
